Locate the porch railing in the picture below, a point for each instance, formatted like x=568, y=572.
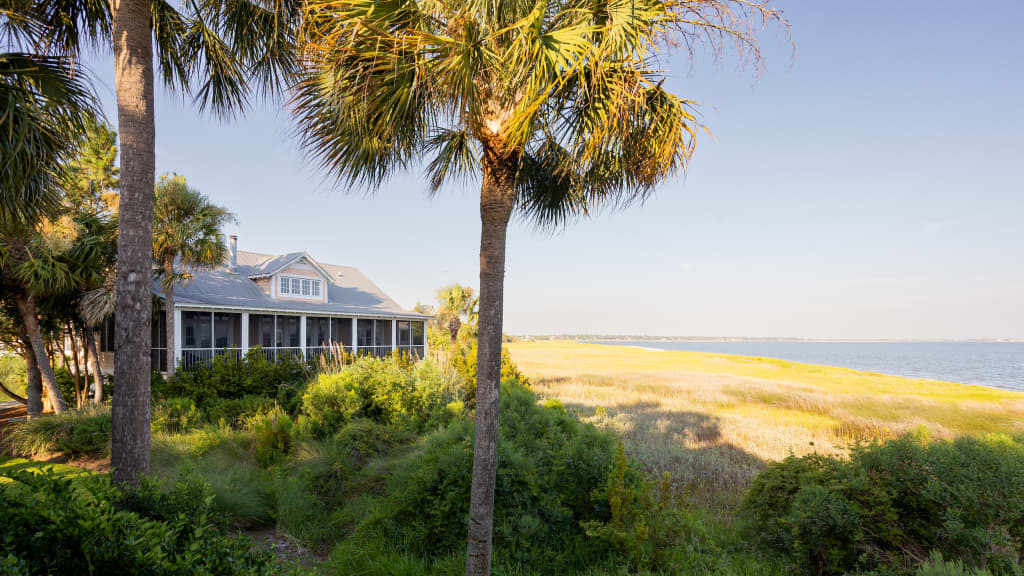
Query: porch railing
x=193, y=356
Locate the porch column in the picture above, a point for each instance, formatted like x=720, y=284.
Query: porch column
x=302, y=335
x=176, y=337
x=245, y=333
x=213, y=336
x=355, y=335
x=394, y=335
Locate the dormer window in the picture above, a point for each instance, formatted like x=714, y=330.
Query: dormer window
x=300, y=287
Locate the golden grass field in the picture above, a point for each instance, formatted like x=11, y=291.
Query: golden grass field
x=713, y=420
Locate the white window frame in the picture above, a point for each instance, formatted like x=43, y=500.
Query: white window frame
x=300, y=287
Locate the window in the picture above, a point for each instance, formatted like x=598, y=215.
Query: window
x=305, y=287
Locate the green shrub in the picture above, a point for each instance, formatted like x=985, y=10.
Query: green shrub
x=390, y=390
x=61, y=526
x=236, y=411
x=224, y=377
x=84, y=432
x=963, y=498
x=464, y=361
x=552, y=481
x=937, y=566
x=274, y=436
x=175, y=415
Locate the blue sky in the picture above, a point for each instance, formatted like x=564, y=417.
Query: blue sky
x=868, y=186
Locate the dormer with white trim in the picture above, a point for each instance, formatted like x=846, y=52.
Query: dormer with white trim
x=293, y=278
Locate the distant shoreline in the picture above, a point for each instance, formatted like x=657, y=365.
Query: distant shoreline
x=622, y=338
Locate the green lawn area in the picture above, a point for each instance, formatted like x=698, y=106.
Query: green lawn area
x=713, y=420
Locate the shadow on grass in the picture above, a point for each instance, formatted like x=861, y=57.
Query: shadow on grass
x=687, y=445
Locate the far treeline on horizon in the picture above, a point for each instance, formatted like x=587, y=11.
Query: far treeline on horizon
x=334, y=287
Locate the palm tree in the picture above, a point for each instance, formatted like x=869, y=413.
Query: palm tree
x=186, y=230
x=221, y=52
x=458, y=307
x=43, y=108
x=558, y=105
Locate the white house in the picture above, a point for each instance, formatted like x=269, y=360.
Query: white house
x=286, y=304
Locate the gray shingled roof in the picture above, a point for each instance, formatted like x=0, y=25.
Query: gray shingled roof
x=348, y=292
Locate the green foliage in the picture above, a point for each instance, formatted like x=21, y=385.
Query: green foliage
x=61, y=526
x=274, y=436
x=892, y=501
x=464, y=361
x=225, y=378
x=12, y=374
x=175, y=415
x=390, y=390
x=553, y=481
x=236, y=411
x=937, y=566
x=84, y=432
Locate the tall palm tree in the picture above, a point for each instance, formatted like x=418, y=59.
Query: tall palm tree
x=221, y=52
x=557, y=105
x=44, y=105
x=458, y=307
x=187, y=229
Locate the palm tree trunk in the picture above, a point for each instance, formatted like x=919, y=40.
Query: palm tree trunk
x=33, y=382
x=97, y=373
x=27, y=309
x=497, y=197
x=169, y=313
x=133, y=77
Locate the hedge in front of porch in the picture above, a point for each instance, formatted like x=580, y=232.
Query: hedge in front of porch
x=225, y=378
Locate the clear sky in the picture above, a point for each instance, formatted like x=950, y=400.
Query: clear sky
x=868, y=187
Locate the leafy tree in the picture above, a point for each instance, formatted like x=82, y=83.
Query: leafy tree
x=93, y=176
x=557, y=105
x=221, y=53
x=187, y=235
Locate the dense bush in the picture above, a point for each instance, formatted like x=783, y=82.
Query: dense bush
x=893, y=503
x=464, y=361
x=60, y=526
x=84, y=432
x=174, y=415
x=554, y=480
x=227, y=378
x=235, y=412
x=274, y=436
x=390, y=390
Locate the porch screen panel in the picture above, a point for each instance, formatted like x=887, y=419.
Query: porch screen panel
x=196, y=330
x=227, y=330
x=382, y=332
x=157, y=330
x=317, y=331
x=261, y=330
x=417, y=333
x=404, y=333
x=365, y=332
x=341, y=331
x=288, y=332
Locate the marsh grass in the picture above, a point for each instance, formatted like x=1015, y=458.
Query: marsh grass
x=712, y=421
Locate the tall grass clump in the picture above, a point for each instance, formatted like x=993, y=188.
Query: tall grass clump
x=82, y=432
x=892, y=504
